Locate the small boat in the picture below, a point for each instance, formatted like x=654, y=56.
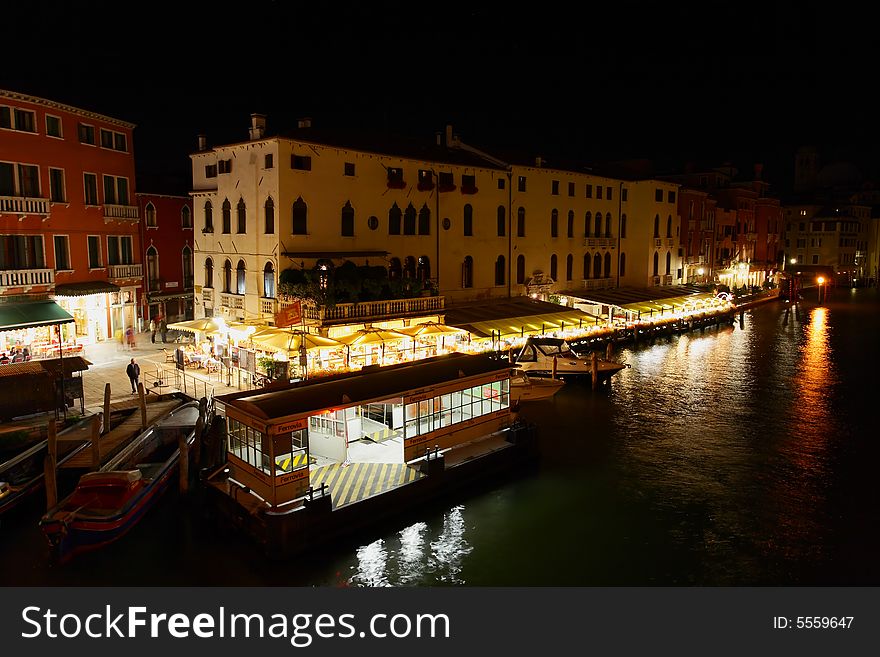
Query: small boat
x=525, y=388
x=548, y=356
x=106, y=504
x=24, y=474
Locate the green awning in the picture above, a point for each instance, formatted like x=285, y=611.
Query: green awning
x=32, y=313
x=84, y=288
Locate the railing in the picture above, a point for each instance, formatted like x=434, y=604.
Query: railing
x=235, y=301
x=670, y=241
x=658, y=243
x=129, y=212
x=667, y=279
x=267, y=306
x=26, y=277
x=597, y=283
x=24, y=205
x=167, y=379
x=208, y=294
x=126, y=271
x=372, y=310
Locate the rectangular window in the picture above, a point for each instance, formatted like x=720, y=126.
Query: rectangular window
x=7, y=179
x=589, y=190
x=268, y=161
x=90, y=185
x=815, y=259
x=62, y=252
x=56, y=185
x=445, y=180
x=571, y=189
x=29, y=180
x=623, y=194
x=301, y=162
x=122, y=191
x=25, y=120
x=86, y=134
x=670, y=196
x=119, y=142
x=127, y=252
x=5, y=117
x=501, y=183
x=224, y=166
x=53, y=126
x=113, y=250
x=426, y=180
x=106, y=139
x=94, y=252
x=609, y=193
x=211, y=171
x=554, y=187
x=468, y=183
x=598, y=191
x=348, y=169
x=521, y=183
x=109, y=190
x=658, y=195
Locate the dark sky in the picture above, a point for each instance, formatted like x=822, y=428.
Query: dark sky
x=738, y=81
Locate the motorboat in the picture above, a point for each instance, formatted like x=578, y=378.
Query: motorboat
x=544, y=357
x=524, y=388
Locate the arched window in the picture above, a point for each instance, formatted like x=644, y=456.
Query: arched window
x=502, y=222
x=300, y=218
x=553, y=266
x=424, y=220
x=607, y=224
x=269, y=281
x=569, y=267
x=669, y=226
x=185, y=217
x=607, y=265
x=623, y=264
x=209, y=217
x=153, y=269
x=394, y=269
x=423, y=271
x=668, y=263
x=586, y=265
x=467, y=272
x=187, y=255
x=209, y=272
x=347, y=220
x=240, y=278
x=571, y=223
x=409, y=267
x=241, y=213
x=598, y=225
x=269, y=208
x=394, y=215
x=520, y=269
x=409, y=220
x=227, y=216
x=656, y=263
x=521, y=222
x=656, y=225
x=623, y=226
x=597, y=265
x=150, y=215
x=468, y=220
x=500, y=273
x=227, y=276
x=588, y=219
x=554, y=223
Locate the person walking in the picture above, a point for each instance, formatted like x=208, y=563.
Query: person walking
x=129, y=337
x=163, y=328
x=134, y=372
x=153, y=331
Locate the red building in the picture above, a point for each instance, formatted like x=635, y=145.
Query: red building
x=167, y=239
x=68, y=220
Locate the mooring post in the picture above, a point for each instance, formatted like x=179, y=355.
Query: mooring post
x=555, y=367
x=609, y=348
x=96, y=441
x=106, y=407
x=143, y=404
x=183, y=461
x=594, y=369
x=49, y=465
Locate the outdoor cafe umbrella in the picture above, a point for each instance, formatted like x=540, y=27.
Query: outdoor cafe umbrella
x=368, y=336
x=281, y=340
x=430, y=329
x=207, y=325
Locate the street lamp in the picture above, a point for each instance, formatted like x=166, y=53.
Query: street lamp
x=820, y=281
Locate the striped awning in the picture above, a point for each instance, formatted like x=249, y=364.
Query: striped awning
x=528, y=324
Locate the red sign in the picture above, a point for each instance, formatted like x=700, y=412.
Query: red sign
x=289, y=316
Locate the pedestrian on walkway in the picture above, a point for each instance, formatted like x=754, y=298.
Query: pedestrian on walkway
x=129, y=337
x=163, y=328
x=134, y=372
x=153, y=331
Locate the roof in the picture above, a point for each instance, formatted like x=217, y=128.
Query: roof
x=14, y=95
x=626, y=295
x=515, y=316
x=358, y=387
x=84, y=288
x=32, y=313
x=50, y=367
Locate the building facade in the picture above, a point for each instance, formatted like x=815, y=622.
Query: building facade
x=68, y=218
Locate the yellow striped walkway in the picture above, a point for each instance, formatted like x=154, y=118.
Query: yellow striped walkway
x=357, y=481
x=382, y=435
x=289, y=463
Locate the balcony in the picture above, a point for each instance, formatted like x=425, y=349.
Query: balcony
x=121, y=213
x=26, y=277
x=597, y=283
x=370, y=311
x=208, y=295
x=268, y=306
x=234, y=301
x=658, y=243
x=670, y=242
x=23, y=205
x=126, y=271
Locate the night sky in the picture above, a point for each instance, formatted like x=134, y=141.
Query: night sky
x=673, y=82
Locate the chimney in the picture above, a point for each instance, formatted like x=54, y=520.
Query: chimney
x=203, y=143
x=305, y=122
x=439, y=136
x=258, y=126
x=758, y=168
x=539, y=161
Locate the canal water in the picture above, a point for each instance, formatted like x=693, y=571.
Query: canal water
x=744, y=455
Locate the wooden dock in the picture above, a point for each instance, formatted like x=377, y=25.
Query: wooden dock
x=110, y=443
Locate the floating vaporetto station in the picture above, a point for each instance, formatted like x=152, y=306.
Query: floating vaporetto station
x=307, y=462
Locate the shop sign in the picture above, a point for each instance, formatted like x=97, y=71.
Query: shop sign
x=289, y=316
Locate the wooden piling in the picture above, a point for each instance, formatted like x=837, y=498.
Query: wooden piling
x=609, y=348
x=555, y=368
x=49, y=466
x=594, y=370
x=143, y=404
x=183, y=462
x=96, y=442
x=106, y=407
